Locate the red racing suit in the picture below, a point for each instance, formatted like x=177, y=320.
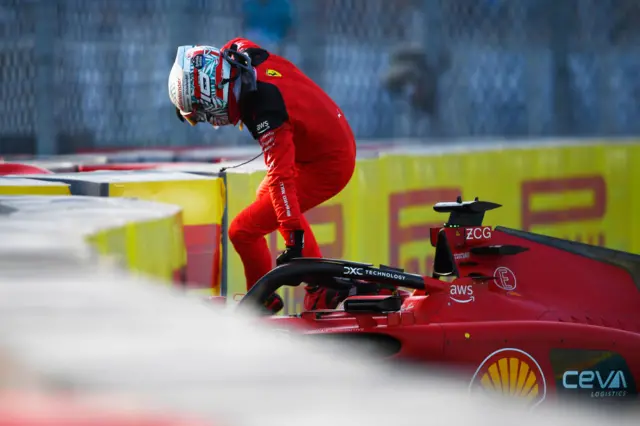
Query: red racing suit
x=309, y=149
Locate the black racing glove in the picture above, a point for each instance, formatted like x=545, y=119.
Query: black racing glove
x=295, y=244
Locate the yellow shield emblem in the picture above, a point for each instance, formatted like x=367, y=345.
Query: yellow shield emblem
x=510, y=372
x=273, y=73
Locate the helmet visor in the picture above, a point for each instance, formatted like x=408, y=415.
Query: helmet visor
x=191, y=117
x=199, y=116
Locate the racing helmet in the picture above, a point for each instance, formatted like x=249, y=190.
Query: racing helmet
x=199, y=82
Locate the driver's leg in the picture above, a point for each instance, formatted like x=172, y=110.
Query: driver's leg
x=247, y=233
x=307, y=200
x=315, y=184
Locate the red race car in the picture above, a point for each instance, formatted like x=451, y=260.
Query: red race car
x=521, y=314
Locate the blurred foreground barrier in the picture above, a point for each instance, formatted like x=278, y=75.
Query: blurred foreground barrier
x=585, y=191
x=44, y=408
x=200, y=198
x=141, y=236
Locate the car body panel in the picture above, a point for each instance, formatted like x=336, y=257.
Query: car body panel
x=517, y=313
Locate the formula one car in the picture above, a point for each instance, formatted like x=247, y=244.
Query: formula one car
x=521, y=314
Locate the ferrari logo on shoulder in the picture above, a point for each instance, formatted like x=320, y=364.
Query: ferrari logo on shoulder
x=273, y=73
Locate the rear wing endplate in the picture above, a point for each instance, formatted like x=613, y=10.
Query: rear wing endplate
x=465, y=213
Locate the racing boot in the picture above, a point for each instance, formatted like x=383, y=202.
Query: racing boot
x=317, y=297
x=274, y=304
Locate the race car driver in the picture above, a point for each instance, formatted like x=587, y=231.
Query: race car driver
x=309, y=148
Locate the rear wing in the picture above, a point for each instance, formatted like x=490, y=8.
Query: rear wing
x=465, y=213
x=451, y=242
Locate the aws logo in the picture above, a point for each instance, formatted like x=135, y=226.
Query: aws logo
x=510, y=373
x=273, y=73
x=461, y=293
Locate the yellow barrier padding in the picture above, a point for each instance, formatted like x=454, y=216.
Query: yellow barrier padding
x=586, y=193
x=202, y=202
x=144, y=236
x=199, y=198
x=24, y=186
x=111, y=242
x=148, y=247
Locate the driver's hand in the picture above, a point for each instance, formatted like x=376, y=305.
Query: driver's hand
x=295, y=244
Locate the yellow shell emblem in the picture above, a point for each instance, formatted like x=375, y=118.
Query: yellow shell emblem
x=273, y=73
x=511, y=373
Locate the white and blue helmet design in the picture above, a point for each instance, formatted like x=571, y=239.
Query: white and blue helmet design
x=198, y=85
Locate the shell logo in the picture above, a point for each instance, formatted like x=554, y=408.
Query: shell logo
x=510, y=373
